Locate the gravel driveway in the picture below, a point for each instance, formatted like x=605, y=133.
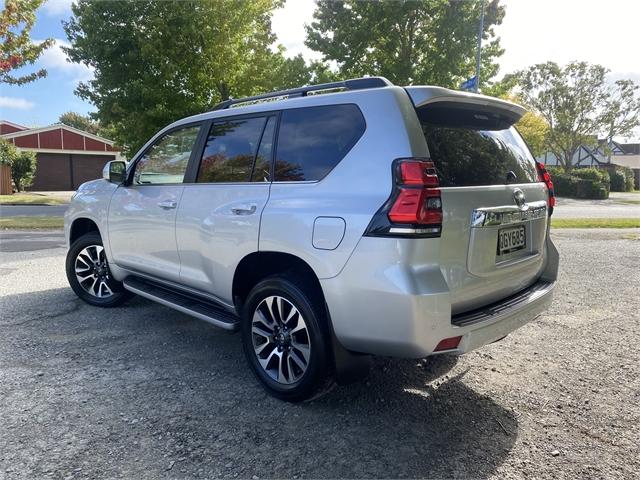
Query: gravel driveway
x=144, y=392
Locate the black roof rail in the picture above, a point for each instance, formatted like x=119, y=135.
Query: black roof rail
x=352, y=84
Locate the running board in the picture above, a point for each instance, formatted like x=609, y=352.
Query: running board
x=199, y=308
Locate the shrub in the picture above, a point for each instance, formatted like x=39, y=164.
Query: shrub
x=7, y=152
x=621, y=179
x=23, y=169
x=570, y=185
x=593, y=174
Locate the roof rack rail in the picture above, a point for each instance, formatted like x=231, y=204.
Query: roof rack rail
x=353, y=84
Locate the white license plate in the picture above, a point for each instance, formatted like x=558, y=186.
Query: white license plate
x=511, y=239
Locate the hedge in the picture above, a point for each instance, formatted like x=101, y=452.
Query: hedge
x=590, y=183
x=621, y=179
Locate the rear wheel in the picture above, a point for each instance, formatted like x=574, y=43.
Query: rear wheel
x=285, y=338
x=89, y=275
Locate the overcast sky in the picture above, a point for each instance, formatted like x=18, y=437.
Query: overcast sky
x=605, y=32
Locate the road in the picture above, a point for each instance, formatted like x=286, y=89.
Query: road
x=619, y=205
x=144, y=392
x=32, y=210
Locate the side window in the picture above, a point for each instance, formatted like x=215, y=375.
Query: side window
x=262, y=169
x=166, y=161
x=230, y=150
x=313, y=140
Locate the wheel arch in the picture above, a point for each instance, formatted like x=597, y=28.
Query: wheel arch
x=81, y=226
x=256, y=266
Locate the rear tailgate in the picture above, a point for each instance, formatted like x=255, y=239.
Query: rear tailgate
x=494, y=206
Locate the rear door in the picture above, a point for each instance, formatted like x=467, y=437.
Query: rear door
x=494, y=205
x=218, y=219
x=142, y=215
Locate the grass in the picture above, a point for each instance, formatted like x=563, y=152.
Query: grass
x=595, y=222
x=629, y=202
x=31, y=199
x=27, y=223
x=631, y=236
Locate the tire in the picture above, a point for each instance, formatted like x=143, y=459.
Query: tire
x=285, y=337
x=98, y=288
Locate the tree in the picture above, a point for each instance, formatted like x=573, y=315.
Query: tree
x=16, y=47
x=156, y=62
x=535, y=130
x=578, y=105
x=81, y=122
x=8, y=152
x=23, y=169
x=408, y=41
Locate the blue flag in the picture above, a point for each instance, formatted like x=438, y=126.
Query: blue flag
x=469, y=84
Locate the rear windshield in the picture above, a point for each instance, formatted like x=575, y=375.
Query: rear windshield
x=475, y=151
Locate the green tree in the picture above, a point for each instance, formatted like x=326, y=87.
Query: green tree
x=408, y=41
x=16, y=47
x=23, y=169
x=535, y=130
x=8, y=152
x=578, y=104
x=81, y=122
x=155, y=62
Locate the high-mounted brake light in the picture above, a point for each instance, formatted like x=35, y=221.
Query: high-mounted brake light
x=415, y=207
x=544, y=176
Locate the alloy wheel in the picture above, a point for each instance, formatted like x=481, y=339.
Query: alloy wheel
x=280, y=339
x=92, y=271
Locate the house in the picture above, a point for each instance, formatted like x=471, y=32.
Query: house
x=622, y=154
x=66, y=157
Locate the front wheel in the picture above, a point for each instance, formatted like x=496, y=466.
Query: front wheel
x=89, y=275
x=285, y=338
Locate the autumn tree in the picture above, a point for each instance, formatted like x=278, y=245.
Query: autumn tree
x=155, y=62
x=408, y=41
x=578, y=104
x=16, y=47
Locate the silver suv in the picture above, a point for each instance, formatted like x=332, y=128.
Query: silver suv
x=328, y=224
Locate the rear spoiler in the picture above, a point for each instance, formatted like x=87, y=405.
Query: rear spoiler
x=424, y=97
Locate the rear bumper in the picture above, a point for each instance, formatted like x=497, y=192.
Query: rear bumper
x=405, y=311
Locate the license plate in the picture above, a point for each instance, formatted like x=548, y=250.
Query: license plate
x=511, y=239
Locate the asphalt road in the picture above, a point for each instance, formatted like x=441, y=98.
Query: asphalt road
x=613, y=207
x=144, y=392
x=32, y=210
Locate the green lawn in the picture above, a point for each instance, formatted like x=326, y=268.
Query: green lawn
x=595, y=222
x=27, y=223
x=31, y=199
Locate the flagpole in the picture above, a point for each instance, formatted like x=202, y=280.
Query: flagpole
x=479, y=46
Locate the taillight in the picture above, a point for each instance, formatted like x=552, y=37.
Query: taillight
x=415, y=207
x=544, y=176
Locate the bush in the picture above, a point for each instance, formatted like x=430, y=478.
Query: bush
x=23, y=169
x=593, y=174
x=621, y=179
x=571, y=185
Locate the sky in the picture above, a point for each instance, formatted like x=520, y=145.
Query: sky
x=533, y=31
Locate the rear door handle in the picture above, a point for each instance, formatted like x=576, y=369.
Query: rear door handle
x=168, y=204
x=244, y=210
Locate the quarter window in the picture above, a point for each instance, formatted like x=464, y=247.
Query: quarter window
x=313, y=140
x=262, y=169
x=166, y=161
x=231, y=150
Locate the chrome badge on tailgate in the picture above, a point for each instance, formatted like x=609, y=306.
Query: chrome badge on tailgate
x=494, y=216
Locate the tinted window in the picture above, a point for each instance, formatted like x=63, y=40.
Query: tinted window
x=311, y=141
x=471, y=148
x=230, y=150
x=262, y=169
x=166, y=161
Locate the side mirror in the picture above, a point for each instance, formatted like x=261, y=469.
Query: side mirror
x=114, y=171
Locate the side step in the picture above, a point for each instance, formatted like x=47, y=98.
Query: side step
x=191, y=305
